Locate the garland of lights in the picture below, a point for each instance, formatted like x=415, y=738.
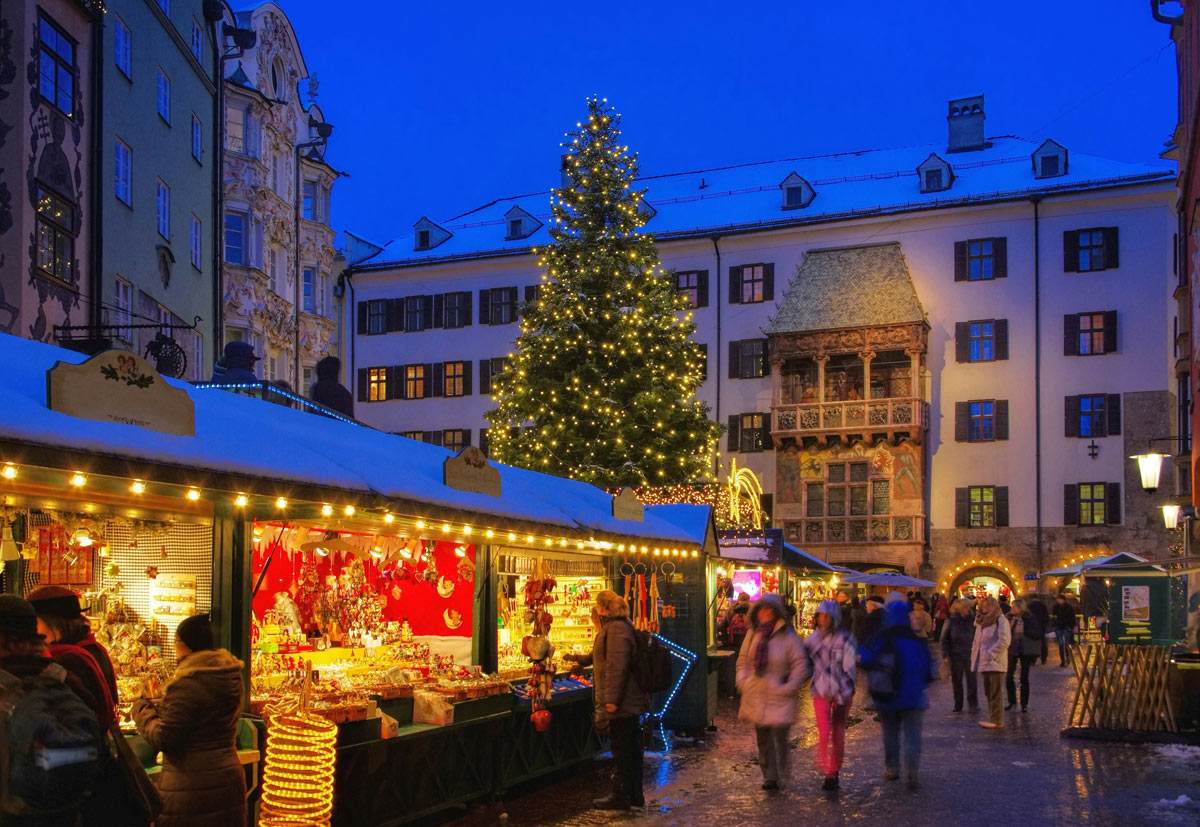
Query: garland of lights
x=975, y=563
x=297, y=786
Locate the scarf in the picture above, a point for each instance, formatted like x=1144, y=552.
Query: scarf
x=761, y=649
x=989, y=619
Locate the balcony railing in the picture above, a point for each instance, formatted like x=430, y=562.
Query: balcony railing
x=901, y=413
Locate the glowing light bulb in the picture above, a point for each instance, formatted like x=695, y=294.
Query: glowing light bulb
x=137, y=487
x=466, y=529
x=511, y=536
x=281, y=502
x=10, y=471
x=420, y=523
x=489, y=533
x=348, y=511
x=193, y=494
x=78, y=480
x=389, y=517
x=445, y=527
x=241, y=501
x=327, y=511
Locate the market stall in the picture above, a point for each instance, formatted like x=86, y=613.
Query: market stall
x=387, y=576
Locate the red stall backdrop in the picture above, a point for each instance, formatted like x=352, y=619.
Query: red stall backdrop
x=437, y=600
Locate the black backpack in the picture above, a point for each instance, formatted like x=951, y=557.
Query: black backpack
x=884, y=674
x=651, y=663
x=49, y=745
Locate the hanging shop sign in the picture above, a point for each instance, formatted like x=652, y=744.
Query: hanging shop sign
x=627, y=506
x=119, y=386
x=469, y=470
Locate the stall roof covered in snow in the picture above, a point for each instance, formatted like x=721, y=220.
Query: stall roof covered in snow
x=241, y=436
x=746, y=197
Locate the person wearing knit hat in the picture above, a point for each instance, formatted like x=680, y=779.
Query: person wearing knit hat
x=194, y=724
x=60, y=618
x=833, y=659
x=18, y=627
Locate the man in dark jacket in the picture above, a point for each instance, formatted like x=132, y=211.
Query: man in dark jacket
x=238, y=363
x=958, y=635
x=1038, y=609
x=1064, y=628
x=328, y=391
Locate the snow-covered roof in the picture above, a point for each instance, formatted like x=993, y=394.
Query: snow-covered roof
x=238, y=435
x=746, y=197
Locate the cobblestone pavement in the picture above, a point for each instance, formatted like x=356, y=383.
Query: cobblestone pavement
x=1026, y=772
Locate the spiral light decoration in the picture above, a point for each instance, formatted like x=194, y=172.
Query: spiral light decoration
x=297, y=787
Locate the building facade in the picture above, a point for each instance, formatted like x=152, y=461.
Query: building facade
x=937, y=359
x=159, y=265
x=278, y=254
x=48, y=169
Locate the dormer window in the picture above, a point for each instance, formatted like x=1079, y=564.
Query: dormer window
x=422, y=239
x=935, y=174
x=1049, y=160
x=797, y=193
x=428, y=235
x=519, y=224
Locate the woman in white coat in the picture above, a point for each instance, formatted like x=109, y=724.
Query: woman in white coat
x=989, y=656
x=771, y=668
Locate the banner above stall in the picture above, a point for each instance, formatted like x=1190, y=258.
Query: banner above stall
x=765, y=547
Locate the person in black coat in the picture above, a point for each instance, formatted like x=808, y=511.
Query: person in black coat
x=237, y=365
x=1038, y=609
x=1064, y=628
x=328, y=391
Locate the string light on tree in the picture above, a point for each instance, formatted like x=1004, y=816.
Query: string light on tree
x=602, y=385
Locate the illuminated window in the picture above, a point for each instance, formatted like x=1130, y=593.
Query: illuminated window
x=55, y=235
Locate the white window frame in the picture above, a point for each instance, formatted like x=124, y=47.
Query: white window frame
x=196, y=242
x=323, y=305
x=162, y=208
x=243, y=248
x=123, y=175
x=124, y=297
x=163, y=103
x=197, y=41
x=308, y=206
x=243, y=115
x=197, y=139
x=308, y=290
x=123, y=47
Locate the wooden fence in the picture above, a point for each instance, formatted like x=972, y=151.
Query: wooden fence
x=1123, y=687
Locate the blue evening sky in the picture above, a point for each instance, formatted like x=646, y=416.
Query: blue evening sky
x=441, y=107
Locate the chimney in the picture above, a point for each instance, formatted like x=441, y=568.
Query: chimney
x=966, y=124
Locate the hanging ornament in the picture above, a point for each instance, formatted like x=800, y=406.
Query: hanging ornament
x=152, y=572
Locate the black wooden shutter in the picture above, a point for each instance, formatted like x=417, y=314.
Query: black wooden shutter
x=735, y=285
x=962, y=341
x=766, y=357
x=1112, y=505
x=362, y=381
x=466, y=366
x=439, y=378
x=1110, y=331
x=464, y=308
x=362, y=318
x=530, y=293
x=735, y=359
x=1000, y=330
x=1112, y=411
x=1001, y=505
x=960, y=507
x=768, y=282
x=485, y=306
x=1071, y=406
x=429, y=380
x=1111, y=248
x=466, y=434
x=513, y=295
x=439, y=310
x=401, y=375
x=1071, y=251
x=768, y=443
x=735, y=433
x=1071, y=504
x=962, y=421
x=393, y=314
x=1000, y=422
x=1000, y=258
x=961, y=271
x=485, y=377
x=702, y=288
x=1071, y=334
x=427, y=312
x=390, y=377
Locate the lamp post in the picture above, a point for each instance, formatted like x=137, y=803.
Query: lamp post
x=1150, y=463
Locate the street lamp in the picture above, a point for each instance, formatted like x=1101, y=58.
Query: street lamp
x=1170, y=516
x=1150, y=463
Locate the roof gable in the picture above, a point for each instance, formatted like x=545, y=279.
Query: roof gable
x=1049, y=159
x=849, y=287
x=797, y=193
x=429, y=234
x=519, y=224
x=935, y=174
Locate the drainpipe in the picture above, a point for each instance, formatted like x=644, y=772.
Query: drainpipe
x=323, y=132
x=715, y=357
x=95, y=177
x=1037, y=377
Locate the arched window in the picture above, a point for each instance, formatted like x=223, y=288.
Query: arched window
x=279, y=80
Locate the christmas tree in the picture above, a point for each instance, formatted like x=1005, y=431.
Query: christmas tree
x=601, y=387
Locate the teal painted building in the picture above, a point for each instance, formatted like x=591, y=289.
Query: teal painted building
x=158, y=257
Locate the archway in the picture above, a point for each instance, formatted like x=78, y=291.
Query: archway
x=977, y=580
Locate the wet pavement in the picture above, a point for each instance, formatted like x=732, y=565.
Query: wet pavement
x=1026, y=771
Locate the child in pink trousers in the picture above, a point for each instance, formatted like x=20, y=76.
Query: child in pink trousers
x=832, y=654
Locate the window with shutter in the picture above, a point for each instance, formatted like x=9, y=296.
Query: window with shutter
x=981, y=504
x=1113, y=505
x=361, y=314
x=1001, y=506
x=1001, y=420
x=961, y=511
x=1071, y=504
x=735, y=285
x=962, y=421
x=1092, y=504
x=687, y=282
x=1090, y=250
x=453, y=379
x=376, y=316
x=733, y=434
x=982, y=420
x=753, y=279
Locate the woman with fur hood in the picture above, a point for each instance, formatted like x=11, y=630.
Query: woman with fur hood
x=195, y=725
x=771, y=668
x=831, y=653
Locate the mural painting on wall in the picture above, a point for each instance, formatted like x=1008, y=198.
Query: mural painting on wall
x=54, y=180
x=901, y=464
x=8, y=74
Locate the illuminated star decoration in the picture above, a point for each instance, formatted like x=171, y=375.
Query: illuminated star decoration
x=152, y=572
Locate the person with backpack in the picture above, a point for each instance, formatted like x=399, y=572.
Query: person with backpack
x=619, y=698
x=50, y=740
x=195, y=724
x=989, y=657
x=833, y=659
x=1038, y=609
x=1025, y=644
x=771, y=668
x=899, y=669
x=958, y=636
x=737, y=622
x=69, y=640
